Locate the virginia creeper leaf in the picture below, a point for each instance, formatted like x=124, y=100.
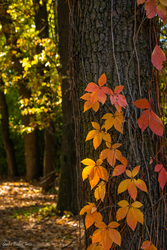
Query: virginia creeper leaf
x=150, y=8
x=148, y=246
x=158, y=57
x=163, y=2
x=142, y=104
x=100, y=191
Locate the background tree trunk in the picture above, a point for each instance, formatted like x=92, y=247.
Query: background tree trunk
x=67, y=199
x=41, y=22
x=10, y=153
x=113, y=37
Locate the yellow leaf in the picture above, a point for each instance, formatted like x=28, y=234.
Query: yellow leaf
x=100, y=191
x=88, y=162
x=86, y=171
x=136, y=204
x=123, y=185
x=123, y=203
x=135, y=171
x=91, y=135
x=96, y=125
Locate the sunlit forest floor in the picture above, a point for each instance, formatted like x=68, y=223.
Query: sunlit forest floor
x=29, y=220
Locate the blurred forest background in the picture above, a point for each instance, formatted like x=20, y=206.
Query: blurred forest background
x=30, y=91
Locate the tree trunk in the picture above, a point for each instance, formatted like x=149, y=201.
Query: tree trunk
x=10, y=153
x=113, y=37
x=33, y=168
x=68, y=177
x=41, y=22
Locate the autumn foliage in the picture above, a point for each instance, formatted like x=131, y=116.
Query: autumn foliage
x=98, y=174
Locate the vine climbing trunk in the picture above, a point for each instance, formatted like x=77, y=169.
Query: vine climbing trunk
x=114, y=37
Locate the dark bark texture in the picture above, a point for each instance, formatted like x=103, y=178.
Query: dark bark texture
x=67, y=199
x=114, y=37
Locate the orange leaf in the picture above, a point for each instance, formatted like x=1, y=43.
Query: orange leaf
x=131, y=219
x=100, y=191
x=96, y=106
x=102, y=80
x=87, y=208
x=142, y=104
x=106, y=137
x=122, y=212
x=113, y=224
x=115, y=236
x=91, y=87
x=118, y=89
x=123, y=186
x=90, y=218
x=141, y=185
x=94, y=246
x=97, y=173
x=118, y=170
x=115, y=120
x=97, y=140
x=132, y=190
x=138, y=214
x=158, y=57
x=135, y=171
x=148, y=246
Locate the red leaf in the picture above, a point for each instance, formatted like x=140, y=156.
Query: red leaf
x=158, y=167
x=151, y=9
x=102, y=96
x=143, y=121
x=155, y=123
x=91, y=87
x=142, y=104
x=140, y=1
x=158, y=57
x=162, y=178
x=161, y=11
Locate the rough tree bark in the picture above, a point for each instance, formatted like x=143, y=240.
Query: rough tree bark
x=68, y=179
x=10, y=153
x=114, y=37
